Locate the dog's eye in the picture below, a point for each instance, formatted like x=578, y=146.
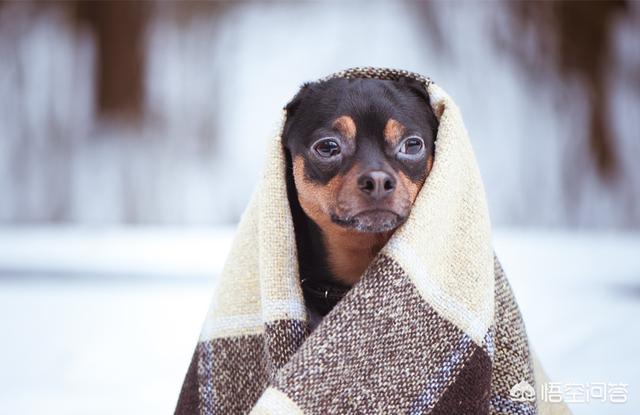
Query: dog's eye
x=327, y=147
x=412, y=145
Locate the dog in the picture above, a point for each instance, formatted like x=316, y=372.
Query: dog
x=358, y=152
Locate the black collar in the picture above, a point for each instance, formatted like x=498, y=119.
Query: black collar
x=322, y=296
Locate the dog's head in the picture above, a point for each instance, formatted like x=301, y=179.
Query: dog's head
x=360, y=151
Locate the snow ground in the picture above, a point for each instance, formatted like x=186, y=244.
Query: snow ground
x=103, y=321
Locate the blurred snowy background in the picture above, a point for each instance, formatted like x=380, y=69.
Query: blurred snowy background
x=132, y=134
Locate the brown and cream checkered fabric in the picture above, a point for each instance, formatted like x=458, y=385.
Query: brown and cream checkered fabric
x=431, y=328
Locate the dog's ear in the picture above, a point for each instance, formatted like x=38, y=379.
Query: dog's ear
x=417, y=88
x=292, y=107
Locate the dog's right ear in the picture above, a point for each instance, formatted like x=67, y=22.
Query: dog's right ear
x=292, y=107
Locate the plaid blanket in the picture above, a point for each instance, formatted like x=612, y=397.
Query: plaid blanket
x=431, y=328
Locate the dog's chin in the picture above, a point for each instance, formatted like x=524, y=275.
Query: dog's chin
x=370, y=221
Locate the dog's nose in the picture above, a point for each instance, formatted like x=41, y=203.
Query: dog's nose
x=377, y=184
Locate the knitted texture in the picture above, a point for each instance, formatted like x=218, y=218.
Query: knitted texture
x=432, y=326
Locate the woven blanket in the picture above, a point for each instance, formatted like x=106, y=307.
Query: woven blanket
x=432, y=326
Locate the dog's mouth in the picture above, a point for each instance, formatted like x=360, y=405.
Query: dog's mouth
x=370, y=221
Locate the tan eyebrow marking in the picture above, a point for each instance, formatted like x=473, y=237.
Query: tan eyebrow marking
x=345, y=126
x=393, y=131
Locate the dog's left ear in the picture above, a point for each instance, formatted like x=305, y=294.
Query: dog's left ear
x=418, y=89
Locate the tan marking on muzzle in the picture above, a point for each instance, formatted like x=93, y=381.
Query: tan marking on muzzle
x=412, y=188
x=315, y=198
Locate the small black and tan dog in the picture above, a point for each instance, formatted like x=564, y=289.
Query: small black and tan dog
x=359, y=151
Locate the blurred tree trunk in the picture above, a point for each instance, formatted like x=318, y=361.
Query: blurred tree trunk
x=119, y=28
x=573, y=39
